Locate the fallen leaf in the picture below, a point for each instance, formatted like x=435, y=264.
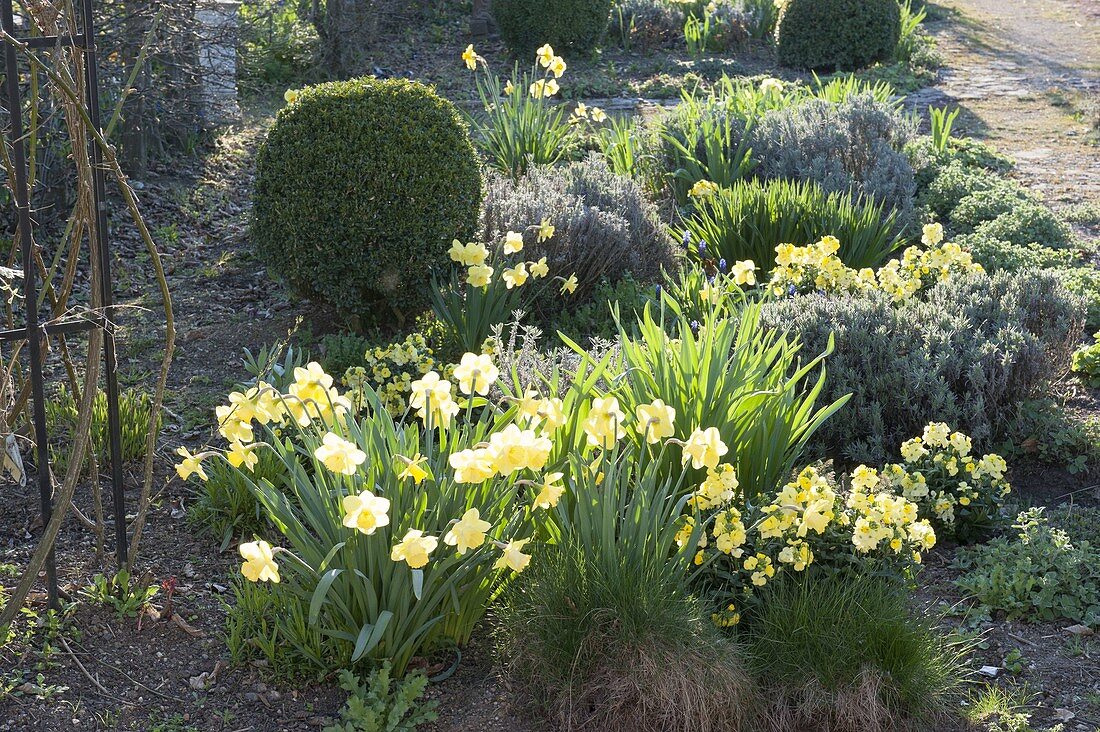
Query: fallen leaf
x=1081, y=630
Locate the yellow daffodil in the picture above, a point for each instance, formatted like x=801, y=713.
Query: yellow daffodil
x=365, y=512
x=515, y=276
x=191, y=464
x=744, y=272
x=476, y=373
x=557, y=66
x=468, y=532
x=545, y=230
x=581, y=110
x=569, y=284
x=339, y=455
x=472, y=466
x=291, y=96
x=480, y=275
x=513, y=558
x=240, y=455
x=597, y=115
x=414, y=548
x=545, y=55
x=259, y=562
x=513, y=242
x=770, y=86
x=509, y=88
x=414, y=468
x=550, y=491
x=539, y=269
x=470, y=57
x=704, y=448
x=655, y=421
x=604, y=424
x=468, y=255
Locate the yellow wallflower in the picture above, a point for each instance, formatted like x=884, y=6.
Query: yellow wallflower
x=703, y=189
x=259, y=562
x=932, y=235
x=414, y=549
x=365, y=512
x=339, y=455
x=468, y=532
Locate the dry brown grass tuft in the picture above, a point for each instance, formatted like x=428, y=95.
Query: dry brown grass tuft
x=657, y=687
x=858, y=708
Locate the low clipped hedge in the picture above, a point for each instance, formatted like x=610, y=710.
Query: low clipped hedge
x=567, y=25
x=361, y=186
x=841, y=35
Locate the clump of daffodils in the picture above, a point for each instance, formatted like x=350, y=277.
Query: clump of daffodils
x=484, y=272
x=958, y=492
x=816, y=267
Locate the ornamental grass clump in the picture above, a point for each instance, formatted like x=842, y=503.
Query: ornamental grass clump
x=603, y=631
x=847, y=654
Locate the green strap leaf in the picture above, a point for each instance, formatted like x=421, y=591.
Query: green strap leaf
x=370, y=635
x=321, y=593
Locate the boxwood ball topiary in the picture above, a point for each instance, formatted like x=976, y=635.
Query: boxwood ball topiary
x=838, y=34
x=360, y=187
x=567, y=25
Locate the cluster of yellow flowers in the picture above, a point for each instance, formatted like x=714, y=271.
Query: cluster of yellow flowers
x=816, y=267
x=949, y=485
x=479, y=273
x=390, y=371
x=806, y=522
